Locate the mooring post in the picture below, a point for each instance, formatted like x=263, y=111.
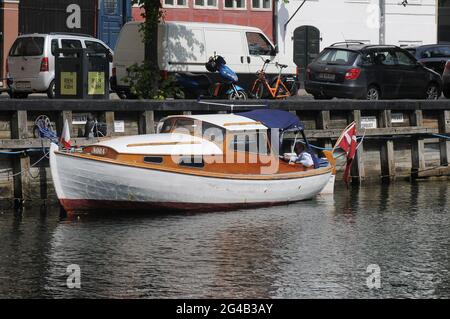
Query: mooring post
x=417, y=147
x=387, y=149
x=109, y=120
x=358, y=171
x=444, y=128
x=147, y=122
x=62, y=117
x=21, y=165
x=322, y=123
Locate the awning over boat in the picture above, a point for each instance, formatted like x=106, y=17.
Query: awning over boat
x=277, y=119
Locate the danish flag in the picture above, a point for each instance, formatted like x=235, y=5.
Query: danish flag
x=348, y=143
x=65, y=136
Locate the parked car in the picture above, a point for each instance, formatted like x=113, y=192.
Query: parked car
x=433, y=56
x=187, y=46
x=31, y=61
x=446, y=80
x=361, y=71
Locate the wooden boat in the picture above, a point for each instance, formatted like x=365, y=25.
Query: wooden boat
x=208, y=162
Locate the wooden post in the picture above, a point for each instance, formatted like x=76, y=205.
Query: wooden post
x=417, y=147
x=322, y=123
x=147, y=122
x=109, y=119
x=444, y=144
x=62, y=117
x=358, y=172
x=21, y=166
x=387, y=149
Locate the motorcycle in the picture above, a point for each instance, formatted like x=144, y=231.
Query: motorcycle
x=201, y=86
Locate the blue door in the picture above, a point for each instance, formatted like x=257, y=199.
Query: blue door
x=113, y=14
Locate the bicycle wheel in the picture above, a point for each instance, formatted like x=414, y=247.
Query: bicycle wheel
x=259, y=90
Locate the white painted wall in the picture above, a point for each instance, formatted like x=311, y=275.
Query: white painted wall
x=343, y=20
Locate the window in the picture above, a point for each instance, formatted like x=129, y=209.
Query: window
x=185, y=126
x=110, y=7
x=98, y=47
x=206, y=4
x=258, y=44
x=29, y=46
x=235, y=4
x=251, y=142
x=337, y=57
x=436, y=52
x=153, y=159
x=262, y=4
x=404, y=59
x=384, y=57
x=175, y=3
x=54, y=46
x=192, y=161
x=71, y=44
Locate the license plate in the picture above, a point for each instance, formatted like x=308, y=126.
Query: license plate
x=23, y=85
x=327, y=76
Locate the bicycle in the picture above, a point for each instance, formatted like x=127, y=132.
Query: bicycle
x=277, y=91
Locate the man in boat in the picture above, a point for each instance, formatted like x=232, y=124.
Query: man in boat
x=302, y=156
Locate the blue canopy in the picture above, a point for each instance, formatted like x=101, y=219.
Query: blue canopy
x=278, y=119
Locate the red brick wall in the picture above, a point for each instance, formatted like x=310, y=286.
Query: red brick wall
x=248, y=17
x=10, y=30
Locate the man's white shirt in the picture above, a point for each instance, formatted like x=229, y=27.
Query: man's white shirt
x=303, y=158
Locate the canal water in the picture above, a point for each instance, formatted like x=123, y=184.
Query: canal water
x=321, y=248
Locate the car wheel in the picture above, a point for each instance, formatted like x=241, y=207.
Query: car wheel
x=373, y=93
x=240, y=95
x=51, y=90
x=433, y=92
x=446, y=93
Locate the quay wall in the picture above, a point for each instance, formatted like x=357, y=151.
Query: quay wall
x=404, y=139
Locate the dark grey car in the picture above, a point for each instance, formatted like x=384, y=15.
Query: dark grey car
x=360, y=71
x=433, y=56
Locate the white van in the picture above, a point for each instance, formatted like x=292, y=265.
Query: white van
x=31, y=61
x=187, y=46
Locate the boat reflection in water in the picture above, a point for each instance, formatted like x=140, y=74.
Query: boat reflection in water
x=207, y=162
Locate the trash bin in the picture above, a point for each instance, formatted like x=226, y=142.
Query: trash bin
x=81, y=74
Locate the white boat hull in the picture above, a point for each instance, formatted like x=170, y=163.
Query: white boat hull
x=83, y=184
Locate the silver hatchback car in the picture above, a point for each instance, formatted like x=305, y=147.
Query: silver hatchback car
x=31, y=61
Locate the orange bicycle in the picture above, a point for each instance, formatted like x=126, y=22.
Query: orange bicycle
x=261, y=86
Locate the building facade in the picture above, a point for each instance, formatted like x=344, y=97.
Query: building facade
x=254, y=13
x=320, y=23
x=9, y=28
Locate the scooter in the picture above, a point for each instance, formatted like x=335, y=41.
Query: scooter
x=201, y=86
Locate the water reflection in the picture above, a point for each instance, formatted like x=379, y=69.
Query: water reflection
x=314, y=249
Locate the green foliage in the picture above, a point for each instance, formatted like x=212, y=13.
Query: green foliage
x=141, y=79
x=145, y=80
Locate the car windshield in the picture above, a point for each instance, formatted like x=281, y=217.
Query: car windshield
x=337, y=56
x=29, y=46
x=436, y=52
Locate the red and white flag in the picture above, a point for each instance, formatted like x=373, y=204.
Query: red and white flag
x=65, y=136
x=348, y=143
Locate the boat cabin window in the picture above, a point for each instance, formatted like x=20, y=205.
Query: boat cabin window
x=251, y=142
x=167, y=126
x=153, y=159
x=184, y=126
x=213, y=133
x=192, y=161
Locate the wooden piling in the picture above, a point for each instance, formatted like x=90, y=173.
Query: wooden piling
x=387, y=148
x=21, y=165
x=417, y=146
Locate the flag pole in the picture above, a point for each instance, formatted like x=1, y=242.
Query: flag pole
x=342, y=136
